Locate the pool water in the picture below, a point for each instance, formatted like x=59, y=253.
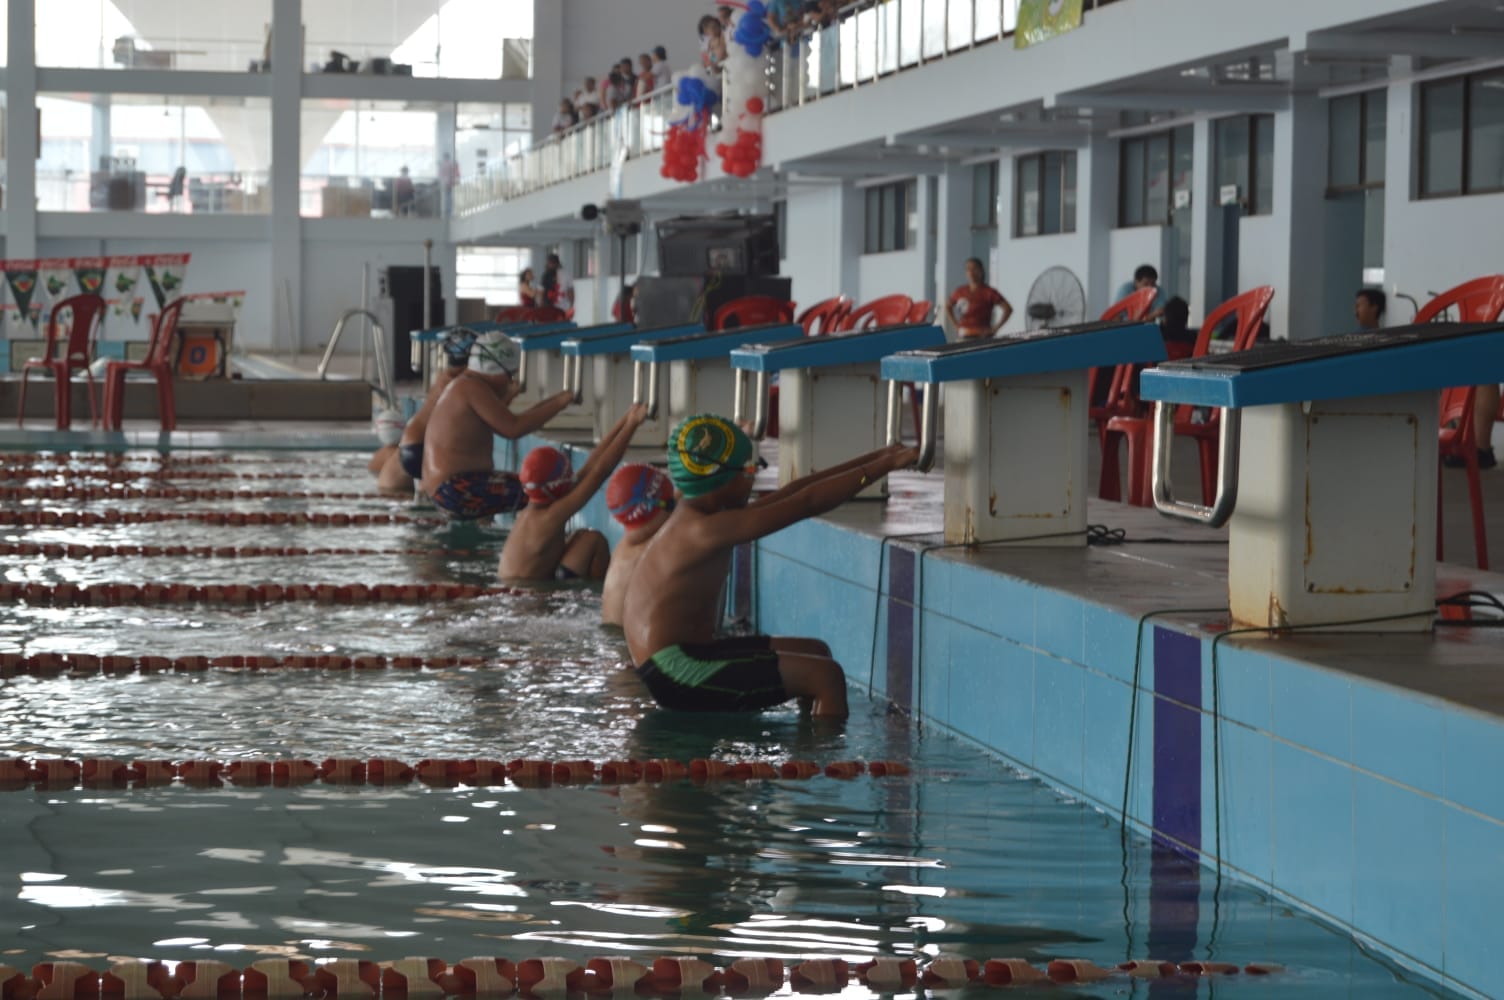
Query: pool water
x=962, y=856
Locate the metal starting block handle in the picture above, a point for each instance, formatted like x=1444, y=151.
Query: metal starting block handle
x=1231, y=419
x=759, y=413
x=929, y=420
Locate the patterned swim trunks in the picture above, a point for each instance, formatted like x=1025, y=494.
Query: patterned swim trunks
x=471, y=495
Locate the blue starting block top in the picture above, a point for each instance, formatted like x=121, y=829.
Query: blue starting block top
x=489, y=326
x=700, y=347
x=1069, y=348
x=542, y=339
x=1397, y=359
x=837, y=348
x=621, y=343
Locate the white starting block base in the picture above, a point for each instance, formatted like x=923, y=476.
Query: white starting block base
x=707, y=386
x=608, y=393
x=827, y=416
x=1336, y=513
x=545, y=378
x=1015, y=460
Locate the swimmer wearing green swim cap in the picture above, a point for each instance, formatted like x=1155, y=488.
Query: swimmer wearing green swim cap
x=671, y=607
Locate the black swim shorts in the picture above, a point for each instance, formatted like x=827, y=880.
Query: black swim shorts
x=734, y=674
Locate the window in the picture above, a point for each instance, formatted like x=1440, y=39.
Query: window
x=1245, y=160
x=161, y=35
x=489, y=273
x=1144, y=179
x=781, y=227
x=892, y=217
x=584, y=258
x=370, y=159
x=468, y=39
x=984, y=184
x=1045, y=200
x=1356, y=133
x=1462, y=135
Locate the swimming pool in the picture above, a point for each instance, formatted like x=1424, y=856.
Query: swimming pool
x=961, y=856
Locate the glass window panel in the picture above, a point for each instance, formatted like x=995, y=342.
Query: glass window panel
x=1485, y=161
x=1441, y=139
x=154, y=153
x=981, y=194
x=1263, y=166
x=1052, y=177
x=873, y=241
x=1373, y=227
x=160, y=35
x=1232, y=154
x=1028, y=196
x=1344, y=141
x=373, y=159
x=1376, y=133
x=1132, y=188
x=1182, y=173
x=469, y=39
x=1157, y=178
x=909, y=209
x=1068, y=197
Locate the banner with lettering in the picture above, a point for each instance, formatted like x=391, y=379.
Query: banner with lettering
x=1041, y=20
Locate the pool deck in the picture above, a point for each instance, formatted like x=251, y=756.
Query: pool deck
x=1353, y=775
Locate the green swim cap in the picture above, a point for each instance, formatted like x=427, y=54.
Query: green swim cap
x=705, y=452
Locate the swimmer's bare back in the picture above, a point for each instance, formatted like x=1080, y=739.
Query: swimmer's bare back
x=471, y=411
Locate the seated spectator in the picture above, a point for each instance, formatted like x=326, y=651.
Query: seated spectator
x=673, y=603
x=640, y=497
x=458, y=472
x=565, y=118
x=1175, y=328
x=537, y=547
x=1368, y=308
x=1145, y=276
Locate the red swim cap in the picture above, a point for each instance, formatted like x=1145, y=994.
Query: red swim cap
x=546, y=475
x=636, y=492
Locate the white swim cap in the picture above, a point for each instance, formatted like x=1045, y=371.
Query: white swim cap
x=494, y=353
x=388, y=425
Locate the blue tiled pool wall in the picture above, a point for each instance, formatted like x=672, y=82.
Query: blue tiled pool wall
x=1378, y=809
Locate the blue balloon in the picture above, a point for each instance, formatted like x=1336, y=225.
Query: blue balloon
x=752, y=31
x=695, y=93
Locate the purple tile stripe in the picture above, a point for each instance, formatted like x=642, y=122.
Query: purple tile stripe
x=741, y=582
x=1177, y=739
x=900, y=676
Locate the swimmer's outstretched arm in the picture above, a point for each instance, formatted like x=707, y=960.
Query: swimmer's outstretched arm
x=805, y=482
x=493, y=410
x=601, y=463
x=813, y=496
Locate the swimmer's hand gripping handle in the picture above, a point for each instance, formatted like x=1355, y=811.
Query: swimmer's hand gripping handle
x=759, y=415
x=645, y=386
x=1227, y=469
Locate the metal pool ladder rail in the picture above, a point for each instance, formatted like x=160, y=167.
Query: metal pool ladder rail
x=378, y=341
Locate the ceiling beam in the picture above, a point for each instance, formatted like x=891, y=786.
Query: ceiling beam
x=877, y=166
x=1425, y=44
x=1073, y=138
x=1228, y=98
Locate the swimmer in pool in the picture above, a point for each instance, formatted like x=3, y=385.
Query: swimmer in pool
x=670, y=611
x=640, y=497
x=402, y=464
x=458, y=473
x=537, y=547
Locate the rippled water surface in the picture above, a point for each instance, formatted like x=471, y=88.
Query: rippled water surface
x=963, y=856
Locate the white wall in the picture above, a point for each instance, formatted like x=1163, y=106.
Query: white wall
x=1128, y=249
x=332, y=282
x=1263, y=259
x=814, y=264
x=597, y=33
x=898, y=273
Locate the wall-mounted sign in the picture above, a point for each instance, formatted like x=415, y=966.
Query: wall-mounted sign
x=1183, y=198
x=1041, y=20
x=1227, y=194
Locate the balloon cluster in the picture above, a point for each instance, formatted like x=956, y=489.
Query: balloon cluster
x=746, y=92
x=742, y=156
x=683, y=149
x=752, y=29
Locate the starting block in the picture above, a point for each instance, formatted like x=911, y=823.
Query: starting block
x=699, y=368
x=609, y=387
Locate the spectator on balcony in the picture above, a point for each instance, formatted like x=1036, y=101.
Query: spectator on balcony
x=628, y=73
x=726, y=13
x=566, y=118
x=662, y=74
x=527, y=292
x=617, y=93
x=712, y=43
x=403, y=194
x=587, y=102
x=647, y=80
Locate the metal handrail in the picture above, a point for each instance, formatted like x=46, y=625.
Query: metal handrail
x=378, y=339
x=645, y=386
x=759, y=415
x=1227, y=468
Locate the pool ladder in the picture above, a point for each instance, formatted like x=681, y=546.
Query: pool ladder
x=378, y=340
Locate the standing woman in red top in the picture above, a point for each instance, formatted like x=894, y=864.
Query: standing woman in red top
x=526, y=291
x=972, y=305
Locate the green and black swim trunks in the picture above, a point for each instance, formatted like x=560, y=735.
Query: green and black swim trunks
x=735, y=674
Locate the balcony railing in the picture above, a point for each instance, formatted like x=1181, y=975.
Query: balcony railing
x=866, y=41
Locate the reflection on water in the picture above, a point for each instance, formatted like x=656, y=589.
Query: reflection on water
x=961, y=857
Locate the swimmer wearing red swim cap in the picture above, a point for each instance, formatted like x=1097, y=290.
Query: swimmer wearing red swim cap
x=640, y=497
x=537, y=547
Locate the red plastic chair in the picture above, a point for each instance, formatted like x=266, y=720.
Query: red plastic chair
x=1118, y=399
x=890, y=310
x=825, y=316
x=1247, y=312
x=920, y=311
x=84, y=313
x=1478, y=301
x=156, y=363
x=752, y=310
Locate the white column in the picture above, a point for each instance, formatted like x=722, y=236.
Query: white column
x=952, y=234
x=21, y=130
x=1300, y=161
x=1097, y=213
x=286, y=167
x=1206, y=224
x=549, y=86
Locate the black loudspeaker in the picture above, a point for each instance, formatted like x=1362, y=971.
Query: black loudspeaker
x=404, y=286
x=731, y=244
x=670, y=301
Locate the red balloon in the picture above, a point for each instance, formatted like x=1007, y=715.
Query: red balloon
x=754, y=105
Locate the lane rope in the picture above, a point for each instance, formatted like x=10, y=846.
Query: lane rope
x=109, y=493
x=92, y=519
x=88, y=664
x=57, y=550
x=66, y=595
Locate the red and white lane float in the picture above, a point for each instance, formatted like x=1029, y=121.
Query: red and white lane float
x=63, y=595
x=235, y=519
x=57, y=550
x=116, y=493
